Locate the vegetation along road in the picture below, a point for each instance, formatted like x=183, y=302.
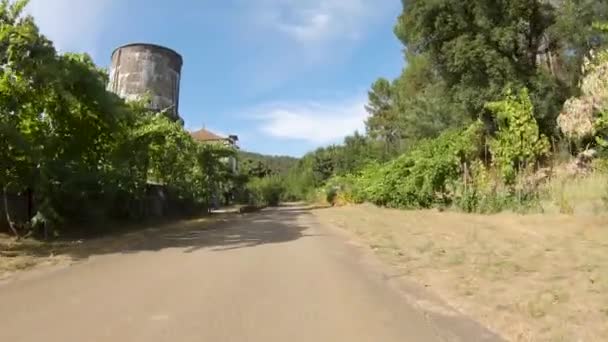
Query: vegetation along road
x=478, y=176
x=273, y=276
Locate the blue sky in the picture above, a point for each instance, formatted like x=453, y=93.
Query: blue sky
x=287, y=76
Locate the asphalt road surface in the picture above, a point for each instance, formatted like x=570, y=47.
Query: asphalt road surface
x=278, y=275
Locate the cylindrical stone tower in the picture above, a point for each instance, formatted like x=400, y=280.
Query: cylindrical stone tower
x=140, y=70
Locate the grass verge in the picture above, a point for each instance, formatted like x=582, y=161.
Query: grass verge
x=530, y=278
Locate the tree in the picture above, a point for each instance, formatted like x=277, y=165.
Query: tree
x=479, y=47
x=423, y=102
x=25, y=57
x=573, y=36
x=323, y=165
x=262, y=165
x=415, y=106
x=354, y=154
x=81, y=148
x=257, y=169
x=382, y=122
x=518, y=144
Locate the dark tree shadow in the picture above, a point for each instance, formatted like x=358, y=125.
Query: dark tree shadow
x=217, y=233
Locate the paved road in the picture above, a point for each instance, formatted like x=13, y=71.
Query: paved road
x=272, y=276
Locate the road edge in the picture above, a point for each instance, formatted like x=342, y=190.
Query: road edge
x=455, y=325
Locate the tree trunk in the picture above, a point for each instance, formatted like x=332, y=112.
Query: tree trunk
x=8, y=215
x=30, y=203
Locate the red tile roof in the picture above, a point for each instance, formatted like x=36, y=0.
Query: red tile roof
x=205, y=135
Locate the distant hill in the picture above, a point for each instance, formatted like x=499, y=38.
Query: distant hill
x=260, y=164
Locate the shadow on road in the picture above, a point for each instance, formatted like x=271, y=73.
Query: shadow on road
x=217, y=233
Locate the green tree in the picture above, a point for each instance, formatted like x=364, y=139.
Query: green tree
x=323, y=166
x=354, y=154
x=423, y=102
x=81, y=148
x=57, y=119
x=479, y=47
x=415, y=106
x=382, y=122
x=262, y=165
x=573, y=36
x=518, y=143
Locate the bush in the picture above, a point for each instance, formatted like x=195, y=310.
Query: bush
x=331, y=193
x=518, y=142
x=442, y=172
x=343, y=190
x=516, y=148
x=266, y=191
x=483, y=191
x=421, y=178
x=299, y=185
x=316, y=197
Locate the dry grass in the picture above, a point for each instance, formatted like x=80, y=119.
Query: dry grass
x=530, y=278
x=577, y=195
x=17, y=256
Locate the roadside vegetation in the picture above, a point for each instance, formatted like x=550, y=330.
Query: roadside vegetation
x=494, y=139
x=260, y=165
x=263, y=178
x=500, y=107
x=85, y=154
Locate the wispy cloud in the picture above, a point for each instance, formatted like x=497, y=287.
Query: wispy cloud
x=73, y=25
x=321, y=21
x=315, y=27
x=302, y=36
x=312, y=122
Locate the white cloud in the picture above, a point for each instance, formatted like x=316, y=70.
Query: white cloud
x=315, y=123
x=321, y=21
x=73, y=25
x=315, y=27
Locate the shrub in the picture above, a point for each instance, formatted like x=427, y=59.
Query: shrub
x=317, y=197
x=421, y=178
x=266, y=191
x=518, y=143
x=343, y=190
x=299, y=185
x=482, y=191
x=331, y=193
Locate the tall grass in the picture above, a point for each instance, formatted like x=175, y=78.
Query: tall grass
x=580, y=195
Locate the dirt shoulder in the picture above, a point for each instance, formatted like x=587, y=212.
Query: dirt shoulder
x=18, y=256
x=531, y=278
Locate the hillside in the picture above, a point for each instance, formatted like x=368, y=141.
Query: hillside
x=266, y=164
